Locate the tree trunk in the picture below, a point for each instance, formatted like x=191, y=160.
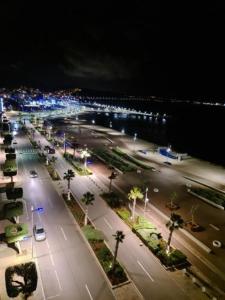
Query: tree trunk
x=169, y=241
x=115, y=256
x=133, y=209
x=68, y=195
x=86, y=217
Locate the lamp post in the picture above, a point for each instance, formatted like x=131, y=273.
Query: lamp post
x=146, y=199
x=135, y=138
x=49, y=132
x=64, y=142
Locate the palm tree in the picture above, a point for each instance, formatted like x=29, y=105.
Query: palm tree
x=135, y=193
x=87, y=199
x=111, y=177
x=175, y=222
x=119, y=237
x=69, y=175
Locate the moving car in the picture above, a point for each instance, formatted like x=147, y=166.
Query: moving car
x=33, y=174
x=39, y=233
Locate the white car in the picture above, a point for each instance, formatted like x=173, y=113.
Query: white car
x=39, y=233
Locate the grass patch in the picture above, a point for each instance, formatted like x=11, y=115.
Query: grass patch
x=78, y=167
x=15, y=232
x=131, y=159
x=211, y=195
x=75, y=209
x=53, y=173
x=92, y=234
x=114, y=160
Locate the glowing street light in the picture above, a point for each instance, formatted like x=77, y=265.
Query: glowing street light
x=146, y=198
x=135, y=138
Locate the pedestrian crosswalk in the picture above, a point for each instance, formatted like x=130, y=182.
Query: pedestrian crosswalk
x=28, y=151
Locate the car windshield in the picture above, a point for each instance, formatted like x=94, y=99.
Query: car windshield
x=32, y=172
x=40, y=230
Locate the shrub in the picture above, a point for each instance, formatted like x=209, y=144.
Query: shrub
x=124, y=214
x=174, y=258
x=211, y=195
x=112, y=199
x=92, y=234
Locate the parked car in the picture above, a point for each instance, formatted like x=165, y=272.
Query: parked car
x=33, y=174
x=39, y=233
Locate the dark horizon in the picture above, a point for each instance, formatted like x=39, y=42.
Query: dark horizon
x=133, y=49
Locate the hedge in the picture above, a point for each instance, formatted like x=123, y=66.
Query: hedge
x=212, y=195
x=114, y=160
x=15, y=232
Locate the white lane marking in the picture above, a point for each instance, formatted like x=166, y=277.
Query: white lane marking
x=145, y=271
x=89, y=293
x=47, y=244
x=51, y=297
x=51, y=258
x=214, y=227
x=57, y=277
x=63, y=233
x=107, y=222
x=42, y=289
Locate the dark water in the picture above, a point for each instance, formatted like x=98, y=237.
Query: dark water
x=193, y=129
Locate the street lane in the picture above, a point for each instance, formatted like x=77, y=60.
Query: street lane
x=66, y=266
x=163, y=286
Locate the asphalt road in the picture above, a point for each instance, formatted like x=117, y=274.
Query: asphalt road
x=68, y=269
x=152, y=280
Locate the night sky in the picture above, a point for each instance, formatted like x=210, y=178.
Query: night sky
x=136, y=48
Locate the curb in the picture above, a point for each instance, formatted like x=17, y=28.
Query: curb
x=205, y=200
x=199, y=182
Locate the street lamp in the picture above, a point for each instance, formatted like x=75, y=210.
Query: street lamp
x=93, y=121
x=135, y=138
x=146, y=198
x=64, y=142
